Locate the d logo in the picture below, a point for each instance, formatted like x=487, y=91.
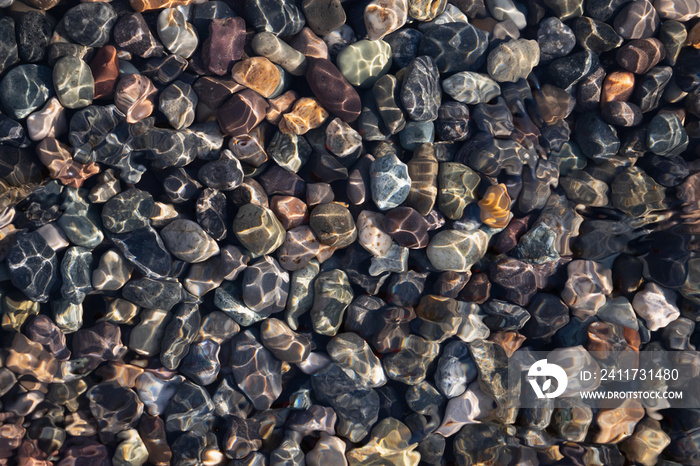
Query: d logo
x=552, y=371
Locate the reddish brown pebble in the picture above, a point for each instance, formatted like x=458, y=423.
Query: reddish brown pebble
x=57, y=157
x=693, y=39
x=509, y=341
x=213, y=91
x=333, y=90
x=280, y=105
x=224, y=45
x=640, y=56
x=310, y=44
x=618, y=86
x=509, y=237
x=250, y=147
x=478, y=290
x=407, y=227
x=152, y=432
x=147, y=5
x=423, y=171
x=290, y=211
x=135, y=96
x=105, y=71
x=242, y=112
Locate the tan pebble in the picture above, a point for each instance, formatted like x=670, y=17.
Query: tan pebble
x=258, y=74
x=306, y=114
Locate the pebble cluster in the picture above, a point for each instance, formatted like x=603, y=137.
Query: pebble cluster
x=280, y=232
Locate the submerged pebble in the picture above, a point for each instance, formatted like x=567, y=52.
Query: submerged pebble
x=318, y=232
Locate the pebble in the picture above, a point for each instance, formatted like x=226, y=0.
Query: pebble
x=24, y=89
x=176, y=34
x=513, y=60
x=471, y=88
x=555, y=39
x=128, y=211
x=283, y=342
x=178, y=102
x=280, y=53
x=258, y=74
x=105, y=71
x=305, y=115
x=9, y=54
x=587, y=286
x=640, y=56
x=333, y=225
x=225, y=174
x=73, y=83
x=332, y=90
x=595, y=35
x=423, y=170
x=257, y=372
x=332, y=295
x=277, y=17
x=637, y=20
x=189, y=410
x=390, y=441
x=363, y=62
x=131, y=33
x=407, y=227
x=144, y=249
x=457, y=188
x=454, y=46
x=57, y=158
x=371, y=234
x=495, y=206
x=672, y=35
x=569, y=70
x=265, y=286
x=33, y=35
x=420, y=91
x=241, y=113
x=425, y=10
x=597, y=139
x=258, y=230
x=404, y=45
x=456, y=250
x=328, y=450
x=383, y=17
x=656, y=305
x=187, y=241
x=666, y=135
x=224, y=45
x=453, y=121
x=90, y=24
x=290, y=211
x=135, y=96
x=636, y=193
x=390, y=181
x=323, y=18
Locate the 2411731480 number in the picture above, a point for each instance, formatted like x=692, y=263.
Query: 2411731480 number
x=638, y=374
